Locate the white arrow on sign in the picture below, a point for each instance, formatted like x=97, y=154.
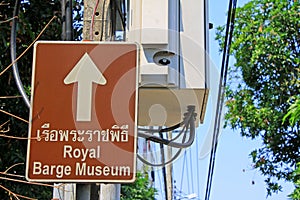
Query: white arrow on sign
x=85, y=72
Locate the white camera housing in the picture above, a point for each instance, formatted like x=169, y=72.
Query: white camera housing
x=173, y=35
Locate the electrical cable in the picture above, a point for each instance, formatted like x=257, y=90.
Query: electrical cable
x=102, y=22
x=171, y=128
x=121, y=15
x=168, y=129
x=190, y=125
x=188, y=119
x=170, y=142
x=153, y=138
x=13, y=41
x=124, y=17
x=112, y=7
x=161, y=164
x=222, y=85
x=179, y=135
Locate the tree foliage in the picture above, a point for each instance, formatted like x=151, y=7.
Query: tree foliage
x=293, y=116
x=296, y=180
x=139, y=189
x=33, y=16
x=266, y=47
x=294, y=113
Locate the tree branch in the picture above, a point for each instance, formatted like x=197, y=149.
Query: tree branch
x=12, y=115
x=11, y=64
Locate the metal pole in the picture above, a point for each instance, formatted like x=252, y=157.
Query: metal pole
x=63, y=14
x=69, y=20
x=83, y=191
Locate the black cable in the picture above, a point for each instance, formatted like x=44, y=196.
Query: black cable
x=190, y=125
x=159, y=164
x=13, y=41
x=168, y=129
x=222, y=84
x=171, y=143
x=229, y=45
x=165, y=163
x=118, y=9
x=124, y=18
x=189, y=119
x=112, y=6
x=102, y=22
x=169, y=161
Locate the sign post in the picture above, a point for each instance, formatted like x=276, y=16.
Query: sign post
x=83, y=113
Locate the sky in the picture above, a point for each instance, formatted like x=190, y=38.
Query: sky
x=234, y=178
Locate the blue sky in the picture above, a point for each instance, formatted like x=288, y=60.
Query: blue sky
x=234, y=178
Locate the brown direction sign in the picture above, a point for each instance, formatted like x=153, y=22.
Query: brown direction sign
x=83, y=112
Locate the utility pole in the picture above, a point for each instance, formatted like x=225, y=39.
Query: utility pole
x=97, y=27
x=169, y=169
x=97, y=20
